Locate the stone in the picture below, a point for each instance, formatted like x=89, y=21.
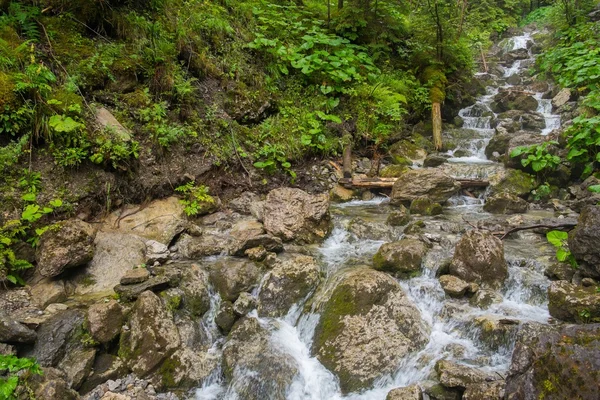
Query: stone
x=136, y=275
x=429, y=182
x=584, y=239
x=505, y=203
x=107, y=122
x=533, y=121
x=368, y=229
x=479, y=258
x=156, y=252
x=115, y=254
x=453, y=286
x=289, y=282
x=132, y=292
x=161, y=220
x=253, y=366
x=246, y=229
x=48, y=291
x=52, y=386
x=424, y=206
x=12, y=331
x=513, y=100
x=225, y=317
x=243, y=203
x=434, y=160
x=104, y=321
x=186, y=369
x=560, y=272
x=194, y=247
x=394, y=171
x=494, y=331
x=114, y=396
x=366, y=328
x=512, y=181
x=152, y=337
x=402, y=258
x=398, y=217
x=54, y=335
x=405, y=152
x=439, y=392
x=484, y=298
x=487, y=390
x=69, y=245
x=105, y=367
x=294, y=215
x=572, y=303
x=244, y=304
x=257, y=254
x=77, y=365
x=561, y=98
x=232, y=277
x=454, y=375
x=267, y=242
x=555, y=363
x=7, y=350
x=412, y=392
x=194, y=284
x=340, y=194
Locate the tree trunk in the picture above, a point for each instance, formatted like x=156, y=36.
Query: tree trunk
x=347, y=161
x=340, y=4
x=436, y=119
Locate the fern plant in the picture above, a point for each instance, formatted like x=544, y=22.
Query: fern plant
x=12, y=370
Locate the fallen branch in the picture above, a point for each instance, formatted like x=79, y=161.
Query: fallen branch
x=568, y=225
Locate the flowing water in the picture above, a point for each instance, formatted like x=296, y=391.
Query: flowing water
x=454, y=333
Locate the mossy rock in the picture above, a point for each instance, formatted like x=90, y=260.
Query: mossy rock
x=394, y=171
x=7, y=87
x=402, y=258
x=515, y=182
x=404, y=151
x=424, y=206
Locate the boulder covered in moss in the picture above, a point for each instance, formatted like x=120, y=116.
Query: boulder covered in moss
x=366, y=328
x=428, y=182
x=555, y=363
x=294, y=215
x=584, y=240
x=394, y=170
x=573, y=303
x=513, y=100
x=398, y=217
x=512, y=181
x=424, y=206
x=233, y=276
x=405, y=152
x=505, y=203
x=402, y=258
x=479, y=258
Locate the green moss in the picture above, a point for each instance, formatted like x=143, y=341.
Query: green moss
x=394, y=171
x=516, y=182
x=167, y=372
x=7, y=86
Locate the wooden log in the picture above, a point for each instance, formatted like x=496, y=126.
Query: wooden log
x=347, y=162
x=382, y=183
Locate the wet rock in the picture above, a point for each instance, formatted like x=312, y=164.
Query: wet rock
x=231, y=277
x=257, y=254
x=439, y=392
x=555, y=362
x=479, y=258
x=194, y=247
x=394, y=171
x=156, y=252
x=54, y=335
x=244, y=304
x=12, y=331
x=340, y=194
x=424, y=206
x=453, y=375
x=194, y=284
x=559, y=272
x=484, y=298
x=160, y=220
x=104, y=321
x=70, y=245
x=584, y=239
x=185, y=369
x=115, y=254
x=77, y=365
x=513, y=100
x=52, y=385
x=405, y=152
x=225, y=317
x=48, y=291
x=453, y=286
x=488, y=391
x=293, y=214
x=494, y=331
x=105, y=367
x=412, y=392
x=573, y=303
x=366, y=328
x=398, y=217
x=497, y=146
x=505, y=203
x=371, y=230
x=286, y=284
x=434, y=160
x=512, y=181
x=253, y=366
x=414, y=228
x=132, y=292
x=429, y=182
x=136, y=275
x=152, y=336
x=561, y=98
x=267, y=242
x=533, y=121
x=403, y=257
x=243, y=203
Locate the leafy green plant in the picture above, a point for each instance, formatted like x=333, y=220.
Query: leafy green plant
x=271, y=157
x=538, y=156
x=542, y=192
x=11, y=374
x=196, y=199
x=558, y=239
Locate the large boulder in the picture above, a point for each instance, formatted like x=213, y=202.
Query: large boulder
x=233, y=276
x=514, y=100
x=254, y=367
x=584, y=239
x=194, y=285
x=366, y=328
x=289, y=282
x=454, y=375
x=152, y=336
x=69, y=245
x=194, y=247
x=12, y=331
x=104, y=321
x=479, y=258
x=403, y=257
x=573, y=303
x=505, y=203
x=497, y=146
x=48, y=291
x=77, y=365
x=428, y=182
x=294, y=215
x=512, y=181
x=555, y=363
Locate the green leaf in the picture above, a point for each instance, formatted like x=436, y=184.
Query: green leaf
x=562, y=254
x=556, y=238
x=594, y=188
x=56, y=203
x=29, y=196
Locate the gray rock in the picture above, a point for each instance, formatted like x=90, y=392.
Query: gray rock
x=484, y=298
x=513, y=100
x=453, y=286
x=292, y=214
x=453, y=375
x=156, y=252
x=152, y=336
x=561, y=98
x=505, y=203
x=434, y=160
x=398, y=217
x=511, y=181
x=132, y=292
x=267, y=242
x=366, y=328
x=286, y=284
x=487, y=390
x=403, y=257
x=105, y=367
x=104, y=321
x=70, y=245
x=194, y=247
x=225, y=317
x=243, y=203
x=194, y=284
x=77, y=365
x=7, y=350
x=479, y=258
x=560, y=272
x=412, y=392
x=430, y=182
x=232, y=276
x=136, y=275
x=495, y=331
x=573, y=303
x=107, y=122
x=244, y=304
x=533, y=121
x=12, y=331
x=424, y=206
x=48, y=291
x=584, y=239
x=372, y=230
x=52, y=385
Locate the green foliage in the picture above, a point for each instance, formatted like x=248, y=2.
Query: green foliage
x=12, y=369
x=23, y=19
x=196, y=199
x=539, y=15
x=538, y=156
x=559, y=239
x=542, y=192
x=271, y=157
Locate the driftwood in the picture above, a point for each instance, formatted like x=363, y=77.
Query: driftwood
x=347, y=161
x=568, y=225
x=383, y=183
